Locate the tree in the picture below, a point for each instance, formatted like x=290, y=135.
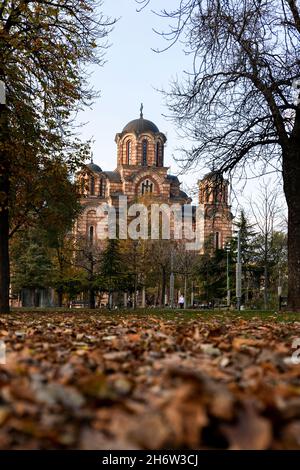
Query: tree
x=55, y=215
x=247, y=237
x=248, y=251
x=274, y=266
x=66, y=278
x=88, y=257
x=45, y=47
x=160, y=258
x=112, y=268
x=211, y=271
x=278, y=266
x=240, y=103
x=32, y=264
x=186, y=264
x=42, y=235
x=137, y=263
x=265, y=211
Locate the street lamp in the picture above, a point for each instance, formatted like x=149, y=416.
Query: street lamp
x=2, y=93
x=279, y=289
x=228, y=278
x=172, y=279
x=239, y=273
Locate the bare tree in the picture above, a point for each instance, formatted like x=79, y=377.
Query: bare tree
x=88, y=256
x=240, y=102
x=185, y=264
x=266, y=213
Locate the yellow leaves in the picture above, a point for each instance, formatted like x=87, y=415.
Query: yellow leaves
x=52, y=11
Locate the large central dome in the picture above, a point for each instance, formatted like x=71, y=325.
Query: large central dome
x=141, y=125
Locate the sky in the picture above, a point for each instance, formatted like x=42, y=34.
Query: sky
x=133, y=74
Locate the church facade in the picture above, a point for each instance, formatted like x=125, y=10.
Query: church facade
x=140, y=172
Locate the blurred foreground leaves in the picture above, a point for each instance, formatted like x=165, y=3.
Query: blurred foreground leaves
x=129, y=381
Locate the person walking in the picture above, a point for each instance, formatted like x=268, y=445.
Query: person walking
x=181, y=301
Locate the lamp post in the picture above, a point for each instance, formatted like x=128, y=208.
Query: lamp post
x=172, y=279
x=239, y=273
x=2, y=93
x=279, y=289
x=228, y=278
x=5, y=159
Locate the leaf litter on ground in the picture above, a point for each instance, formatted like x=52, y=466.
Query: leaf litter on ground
x=134, y=381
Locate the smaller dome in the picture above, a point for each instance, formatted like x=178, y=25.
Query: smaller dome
x=213, y=176
x=94, y=168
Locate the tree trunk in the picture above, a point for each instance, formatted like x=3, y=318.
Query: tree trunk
x=91, y=280
x=144, y=297
x=4, y=216
x=91, y=298
x=60, y=298
x=4, y=257
x=291, y=178
x=247, y=288
x=266, y=274
x=163, y=286
x=266, y=296
x=185, y=290
x=294, y=256
x=134, y=299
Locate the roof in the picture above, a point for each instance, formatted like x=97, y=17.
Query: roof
x=93, y=167
x=173, y=178
x=183, y=194
x=141, y=125
x=113, y=176
x=213, y=175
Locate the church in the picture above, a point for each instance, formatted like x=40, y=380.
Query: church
x=141, y=172
x=141, y=175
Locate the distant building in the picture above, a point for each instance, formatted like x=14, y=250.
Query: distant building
x=214, y=201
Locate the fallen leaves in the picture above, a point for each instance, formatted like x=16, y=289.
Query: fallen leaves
x=251, y=431
x=91, y=381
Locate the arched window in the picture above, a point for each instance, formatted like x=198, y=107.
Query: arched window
x=159, y=154
x=207, y=194
x=217, y=240
x=82, y=182
x=91, y=234
x=91, y=214
x=147, y=187
x=128, y=152
x=92, y=186
x=102, y=187
x=145, y=151
x=158, y=159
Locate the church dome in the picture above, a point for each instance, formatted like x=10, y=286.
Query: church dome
x=94, y=168
x=213, y=176
x=141, y=125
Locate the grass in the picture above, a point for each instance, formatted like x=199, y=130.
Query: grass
x=174, y=313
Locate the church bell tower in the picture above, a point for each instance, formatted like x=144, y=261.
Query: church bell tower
x=214, y=201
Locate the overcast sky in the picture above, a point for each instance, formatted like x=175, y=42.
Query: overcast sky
x=131, y=75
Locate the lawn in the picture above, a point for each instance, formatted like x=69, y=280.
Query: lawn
x=149, y=380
